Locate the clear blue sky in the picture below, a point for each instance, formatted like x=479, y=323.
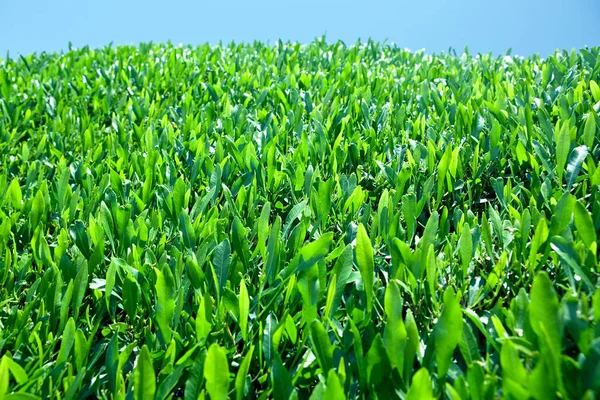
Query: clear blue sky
x=526, y=26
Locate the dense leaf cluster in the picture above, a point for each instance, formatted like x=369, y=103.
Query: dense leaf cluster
x=319, y=220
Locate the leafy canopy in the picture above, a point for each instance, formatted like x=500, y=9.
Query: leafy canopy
x=276, y=221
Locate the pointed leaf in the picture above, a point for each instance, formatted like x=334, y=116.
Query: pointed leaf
x=216, y=373
x=364, y=258
x=144, y=379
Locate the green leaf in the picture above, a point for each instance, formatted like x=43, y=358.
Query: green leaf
x=539, y=238
x=542, y=380
x=112, y=362
x=319, y=392
x=221, y=261
x=412, y=343
x=272, y=264
x=359, y=354
x=589, y=131
x=187, y=231
x=242, y=375
x=342, y=270
x=428, y=239
x=364, y=258
x=309, y=255
x=38, y=211
x=267, y=347
x=15, y=369
x=3, y=376
x=204, y=319
x=79, y=236
x=596, y=307
x=571, y=261
x=595, y=179
x=543, y=312
x=75, y=385
x=469, y=348
x=563, y=147
x=144, y=380
x=476, y=380
x=595, y=90
x=122, y=220
x=409, y=209
x=329, y=300
x=321, y=345
x=512, y=369
x=68, y=339
x=110, y=282
x=81, y=349
x=421, y=387
x=432, y=268
x=41, y=249
x=240, y=244
x=216, y=372
x=130, y=296
x=147, y=187
x=324, y=200
x=168, y=384
x=79, y=288
x=193, y=386
x=107, y=223
x=294, y=213
x=447, y=332
x=378, y=365
x=21, y=396
x=165, y=301
x=179, y=196
x=14, y=194
x=281, y=380
x=394, y=333
x=263, y=225
x=334, y=389
x=578, y=156
x=309, y=288
x=244, y=305
x=591, y=367
x=585, y=225
x=442, y=170
x=563, y=214
x=466, y=247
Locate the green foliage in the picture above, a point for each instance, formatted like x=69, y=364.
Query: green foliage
x=299, y=221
